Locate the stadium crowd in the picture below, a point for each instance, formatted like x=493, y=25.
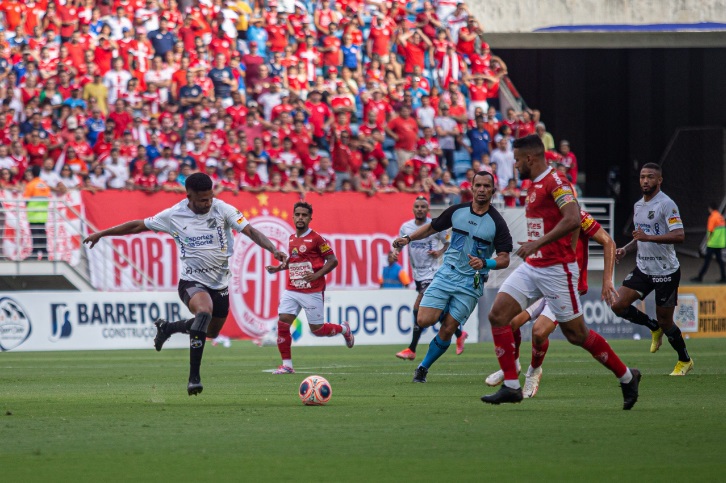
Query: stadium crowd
x=280, y=95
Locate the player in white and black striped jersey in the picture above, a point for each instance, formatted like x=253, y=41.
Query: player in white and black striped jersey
x=202, y=228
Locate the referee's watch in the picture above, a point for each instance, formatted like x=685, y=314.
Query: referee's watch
x=407, y=237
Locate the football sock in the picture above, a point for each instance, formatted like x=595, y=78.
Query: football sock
x=197, y=338
x=284, y=341
x=181, y=326
x=517, y=342
x=675, y=338
x=437, y=347
x=504, y=350
x=416, y=335
x=287, y=362
x=601, y=350
x=637, y=317
x=538, y=353
x=457, y=333
x=328, y=330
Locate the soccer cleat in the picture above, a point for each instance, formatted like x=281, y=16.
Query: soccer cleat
x=406, y=354
x=630, y=390
x=531, y=383
x=460, y=343
x=161, y=335
x=657, y=340
x=682, y=368
x=195, y=386
x=496, y=378
x=348, y=335
x=505, y=394
x=283, y=369
x=419, y=375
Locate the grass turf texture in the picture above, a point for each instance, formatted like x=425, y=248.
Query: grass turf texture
x=125, y=416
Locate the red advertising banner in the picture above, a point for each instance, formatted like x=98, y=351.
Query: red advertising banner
x=360, y=229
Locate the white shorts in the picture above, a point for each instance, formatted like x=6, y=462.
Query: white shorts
x=312, y=303
x=540, y=307
x=556, y=283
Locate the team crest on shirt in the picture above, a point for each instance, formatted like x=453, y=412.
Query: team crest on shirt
x=303, y=248
x=212, y=223
x=532, y=197
x=651, y=215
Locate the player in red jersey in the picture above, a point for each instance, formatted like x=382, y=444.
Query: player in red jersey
x=311, y=259
x=544, y=320
x=550, y=271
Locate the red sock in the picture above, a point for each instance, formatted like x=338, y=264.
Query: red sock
x=600, y=350
x=504, y=349
x=284, y=340
x=328, y=330
x=538, y=353
x=517, y=342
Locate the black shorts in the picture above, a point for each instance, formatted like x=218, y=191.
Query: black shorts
x=665, y=286
x=220, y=298
x=422, y=285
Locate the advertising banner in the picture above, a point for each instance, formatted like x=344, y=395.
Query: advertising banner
x=701, y=310
x=55, y=321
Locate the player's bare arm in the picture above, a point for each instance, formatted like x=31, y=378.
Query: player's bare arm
x=331, y=261
x=569, y=223
x=502, y=260
x=621, y=252
x=670, y=238
x=264, y=242
x=609, y=294
x=128, y=228
x=421, y=233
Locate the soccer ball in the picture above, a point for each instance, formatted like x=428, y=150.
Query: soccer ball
x=315, y=391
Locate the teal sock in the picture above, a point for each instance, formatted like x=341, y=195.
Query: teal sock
x=437, y=347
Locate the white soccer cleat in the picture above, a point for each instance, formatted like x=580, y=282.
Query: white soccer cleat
x=531, y=382
x=496, y=378
x=348, y=335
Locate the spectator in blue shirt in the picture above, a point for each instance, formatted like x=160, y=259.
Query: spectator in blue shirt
x=162, y=40
x=479, y=140
x=223, y=80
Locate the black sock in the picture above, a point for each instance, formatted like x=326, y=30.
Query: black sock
x=182, y=326
x=675, y=338
x=637, y=317
x=197, y=339
x=416, y=332
x=457, y=334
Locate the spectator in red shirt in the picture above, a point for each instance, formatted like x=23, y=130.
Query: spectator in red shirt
x=404, y=131
x=146, y=181
x=569, y=160
x=414, y=46
x=406, y=181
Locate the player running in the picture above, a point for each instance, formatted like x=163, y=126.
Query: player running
x=311, y=259
x=544, y=320
x=425, y=256
x=202, y=228
x=658, y=227
x=478, y=231
x=550, y=271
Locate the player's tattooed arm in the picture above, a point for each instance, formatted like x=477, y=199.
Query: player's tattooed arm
x=261, y=240
x=128, y=228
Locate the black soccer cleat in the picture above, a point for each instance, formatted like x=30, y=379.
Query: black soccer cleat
x=161, y=335
x=630, y=390
x=195, y=386
x=505, y=394
x=419, y=375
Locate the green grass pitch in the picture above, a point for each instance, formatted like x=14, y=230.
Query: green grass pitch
x=125, y=416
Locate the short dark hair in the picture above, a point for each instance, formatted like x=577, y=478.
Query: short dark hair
x=198, y=182
x=530, y=143
x=714, y=206
x=653, y=166
x=485, y=173
x=303, y=204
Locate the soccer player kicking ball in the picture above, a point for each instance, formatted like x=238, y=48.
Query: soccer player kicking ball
x=550, y=271
x=311, y=258
x=202, y=228
x=478, y=231
x=658, y=226
x=544, y=320
x=425, y=256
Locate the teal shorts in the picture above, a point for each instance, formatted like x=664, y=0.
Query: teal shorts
x=455, y=290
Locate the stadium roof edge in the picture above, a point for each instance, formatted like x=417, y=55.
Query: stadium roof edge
x=606, y=40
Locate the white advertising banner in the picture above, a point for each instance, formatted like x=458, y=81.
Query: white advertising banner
x=376, y=317
x=53, y=321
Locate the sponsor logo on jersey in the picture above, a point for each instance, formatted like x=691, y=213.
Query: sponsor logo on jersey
x=325, y=247
x=587, y=222
x=674, y=220
x=240, y=220
x=294, y=252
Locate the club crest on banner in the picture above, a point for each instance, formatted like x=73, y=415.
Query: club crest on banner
x=15, y=325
